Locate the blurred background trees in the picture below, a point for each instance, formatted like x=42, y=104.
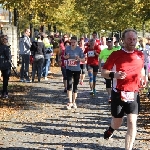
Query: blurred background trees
x=81, y=17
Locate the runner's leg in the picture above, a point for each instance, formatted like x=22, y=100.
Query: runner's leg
x=82, y=75
x=90, y=74
x=131, y=131
x=69, y=84
x=76, y=77
x=95, y=71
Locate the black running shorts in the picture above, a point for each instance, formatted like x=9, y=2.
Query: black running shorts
x=119, y=107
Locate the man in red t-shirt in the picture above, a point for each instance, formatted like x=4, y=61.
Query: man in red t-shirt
x=92, y=51
x=125, y=68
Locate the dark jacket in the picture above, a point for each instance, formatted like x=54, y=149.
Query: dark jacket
x=5, y=57
x=38, y=48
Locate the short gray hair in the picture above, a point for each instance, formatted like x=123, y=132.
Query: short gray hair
x=128, y=30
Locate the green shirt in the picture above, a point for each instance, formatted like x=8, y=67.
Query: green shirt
x=118, y=47
x=105, y=53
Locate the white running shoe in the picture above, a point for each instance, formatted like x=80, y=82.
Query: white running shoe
x=69, y=106
x=75, y=105
x=46, y=78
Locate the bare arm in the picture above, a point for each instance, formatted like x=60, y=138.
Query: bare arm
x=118, y=75
x=105, y=73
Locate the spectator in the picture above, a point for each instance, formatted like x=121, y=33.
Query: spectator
x=38, y=50
x=48, y=51
x=5, y=65
x=24, y=46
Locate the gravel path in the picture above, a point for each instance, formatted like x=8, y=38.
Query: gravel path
x=45, y=124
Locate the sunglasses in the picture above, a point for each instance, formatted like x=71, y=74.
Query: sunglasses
x=5, y=39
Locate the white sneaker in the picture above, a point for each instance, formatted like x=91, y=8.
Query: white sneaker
x=75, y=105
x=69, y=106
x=21, y=80
x=27, y=81
x=46, y=78
x=50, y=72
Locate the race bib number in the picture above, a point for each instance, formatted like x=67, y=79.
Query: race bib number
x=127, y=96
x=65, y=62
x=91, y=54
x=72, y=62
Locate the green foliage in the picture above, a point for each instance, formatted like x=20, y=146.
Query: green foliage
x=79, y=17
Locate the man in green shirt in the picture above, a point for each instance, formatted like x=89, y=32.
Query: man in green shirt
x=116, y=45
x=102, y=59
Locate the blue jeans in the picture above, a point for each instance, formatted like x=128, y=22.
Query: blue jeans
x=46, y=67
x=24, y=71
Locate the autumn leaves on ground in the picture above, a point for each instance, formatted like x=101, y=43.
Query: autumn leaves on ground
x=17, y=100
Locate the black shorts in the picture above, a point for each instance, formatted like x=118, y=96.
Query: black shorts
x=119, y=108
x=95, y=68
x=82, y=66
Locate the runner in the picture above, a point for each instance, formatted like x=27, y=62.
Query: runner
x=124, y=67
x=92, y=52
x=74, y=56
x=102, y=59
x=116, y=45
x=141, y=47
x=62, y=62
x=82, y=65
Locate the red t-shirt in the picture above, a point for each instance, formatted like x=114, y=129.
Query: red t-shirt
x=92, y=59
x=131, y=64
x=62, y=50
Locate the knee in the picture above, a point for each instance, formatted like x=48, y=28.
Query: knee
x=131, y=120
x=69, y=85
x=90, y=76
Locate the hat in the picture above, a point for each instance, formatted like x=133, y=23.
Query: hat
x=109, y=39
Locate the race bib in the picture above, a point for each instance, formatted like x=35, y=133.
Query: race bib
x=65, y=62
x=72, y=62
x=91, y=53
x=127, y=96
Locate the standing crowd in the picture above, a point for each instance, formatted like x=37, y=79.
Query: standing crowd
x=124, y=65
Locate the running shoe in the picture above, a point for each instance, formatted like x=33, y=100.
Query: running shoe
x=27, y=81
x=91, y=93
x=75, y=105
x=94, y=91
x=108, y=134
x=21, y=80
x=69, y=106
x=81, y=82
x=5, y=96
x=46, y=78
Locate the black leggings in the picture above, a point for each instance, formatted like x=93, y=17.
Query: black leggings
x=5, y=74
x=76, y=76
x=82, y=66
